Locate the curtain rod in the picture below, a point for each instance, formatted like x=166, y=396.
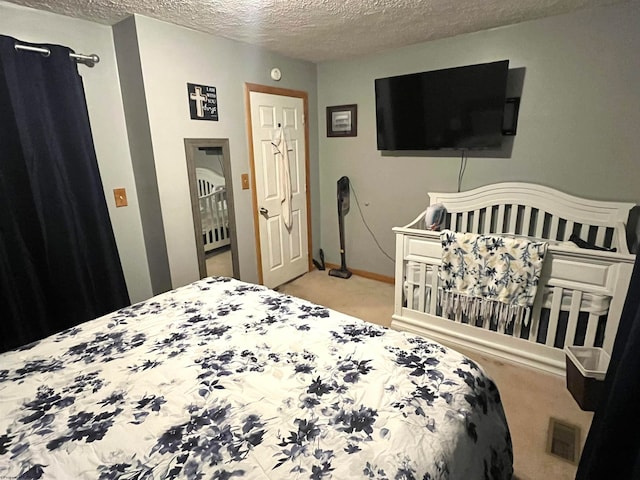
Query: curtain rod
x=88, y=60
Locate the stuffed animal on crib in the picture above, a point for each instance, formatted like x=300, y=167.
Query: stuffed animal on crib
x=434, y=216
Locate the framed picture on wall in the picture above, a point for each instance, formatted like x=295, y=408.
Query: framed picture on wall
x=342, y=121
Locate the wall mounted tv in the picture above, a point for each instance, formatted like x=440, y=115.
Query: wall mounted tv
x=456, y=108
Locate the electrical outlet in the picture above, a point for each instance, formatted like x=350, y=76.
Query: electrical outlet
x=120, y=195
x=245, y=181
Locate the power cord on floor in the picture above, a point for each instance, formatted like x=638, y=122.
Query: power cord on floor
x=367, y=225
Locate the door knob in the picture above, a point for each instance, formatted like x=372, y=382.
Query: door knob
x=264, y=211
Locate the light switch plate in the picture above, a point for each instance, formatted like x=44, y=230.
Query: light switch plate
x=245, y=181
x=120, y=195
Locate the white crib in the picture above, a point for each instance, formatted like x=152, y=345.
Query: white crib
x=581, y=291
x=213, y=210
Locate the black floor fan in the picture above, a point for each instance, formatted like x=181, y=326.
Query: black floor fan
x=343, y=209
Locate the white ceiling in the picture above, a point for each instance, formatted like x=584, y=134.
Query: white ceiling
x=321, y=30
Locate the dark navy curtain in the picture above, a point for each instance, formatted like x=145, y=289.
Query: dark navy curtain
x=612, y=449
x=59, y=265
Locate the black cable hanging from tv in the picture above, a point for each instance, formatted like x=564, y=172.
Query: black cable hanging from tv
x=463, y=167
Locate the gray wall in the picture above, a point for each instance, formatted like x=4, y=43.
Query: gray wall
x=104, y=102
x=156, y=60
x=577, y=129
x=171, y=56
x=577, y=126
x=141, y=147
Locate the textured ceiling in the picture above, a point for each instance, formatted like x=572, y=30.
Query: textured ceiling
x=321, y=30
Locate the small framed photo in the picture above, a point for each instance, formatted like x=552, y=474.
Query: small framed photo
x=342, y=121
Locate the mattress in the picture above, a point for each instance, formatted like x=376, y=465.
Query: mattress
x=223, y=379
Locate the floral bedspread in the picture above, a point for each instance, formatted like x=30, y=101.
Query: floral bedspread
x=222, y=379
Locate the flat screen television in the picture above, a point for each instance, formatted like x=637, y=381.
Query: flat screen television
x=458, y=108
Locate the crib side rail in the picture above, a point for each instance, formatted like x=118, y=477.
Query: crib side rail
x=579, y=302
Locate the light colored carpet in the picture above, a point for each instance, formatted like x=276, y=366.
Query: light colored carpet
x=356, y=296
x=529, y=397
x=219, y=263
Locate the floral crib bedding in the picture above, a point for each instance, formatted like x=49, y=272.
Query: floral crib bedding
x=222, y=379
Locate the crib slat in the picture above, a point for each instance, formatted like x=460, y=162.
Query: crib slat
x=539, y=224
x=475, y=224
x=488, y=220
x=211, y=209
x=500, y=219
x=528, y=320
x=216, y=215
x=584, y=231
x=592, y=325
x=454, y=222
x=572, y=322
x=600, y=234
x=615, y=240
x=513, y=218
x=517, y=328
x=225, y=214
x=534, y=318
x=568, y=230
x=422, y=279
x=433, y=304
x=213, y=205
x=553, y=229
x=526, y=220
x=552, y=328
x=486, y=224
x=465, y=222
x=409, y=279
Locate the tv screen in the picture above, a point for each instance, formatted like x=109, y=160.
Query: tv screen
x=455, y=108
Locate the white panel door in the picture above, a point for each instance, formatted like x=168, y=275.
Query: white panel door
x=284, y=251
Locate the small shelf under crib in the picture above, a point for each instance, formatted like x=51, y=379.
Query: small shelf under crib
x=581, y=291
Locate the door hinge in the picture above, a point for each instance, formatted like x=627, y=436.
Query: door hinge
x=303, y=118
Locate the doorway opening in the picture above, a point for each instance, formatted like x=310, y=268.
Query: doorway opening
x=211, y=191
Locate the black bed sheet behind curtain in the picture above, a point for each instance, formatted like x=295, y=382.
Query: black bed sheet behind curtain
x=59, y=265
x=612, y=449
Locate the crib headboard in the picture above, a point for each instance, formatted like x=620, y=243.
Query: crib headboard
x=535, y=211
x=208, y=181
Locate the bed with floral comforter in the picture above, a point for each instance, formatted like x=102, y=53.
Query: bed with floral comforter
x=222, y=379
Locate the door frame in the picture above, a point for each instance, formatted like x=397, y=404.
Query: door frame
x=191, y=145
x=285, y=92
